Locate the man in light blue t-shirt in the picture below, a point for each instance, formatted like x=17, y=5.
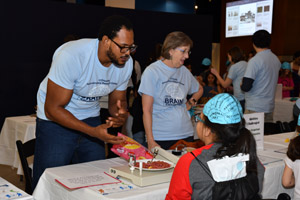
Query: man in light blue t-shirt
x=261, y=76
x=68, y=127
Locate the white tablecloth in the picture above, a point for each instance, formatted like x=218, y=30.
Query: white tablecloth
x=48, y=188
x=283, y=110
x=15, y=128
x=275, y=147
x=10, y=191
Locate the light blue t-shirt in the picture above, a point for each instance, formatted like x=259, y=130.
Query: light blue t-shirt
x=169, y=88
x=236, y=74
x=75, y=66
x=263, y=68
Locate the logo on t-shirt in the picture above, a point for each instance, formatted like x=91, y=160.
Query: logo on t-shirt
x=95, y=93
x=175, y=95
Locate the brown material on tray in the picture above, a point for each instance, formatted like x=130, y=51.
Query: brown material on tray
x=197, y=144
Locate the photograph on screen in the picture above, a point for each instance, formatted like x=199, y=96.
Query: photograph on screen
x=245, y=17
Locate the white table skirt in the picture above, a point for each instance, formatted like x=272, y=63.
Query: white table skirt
x=275, y=146
x=283, y=110
x=48, y=188
x=15, y=128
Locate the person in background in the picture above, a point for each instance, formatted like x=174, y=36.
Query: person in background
x=137, y=129
x=296, y=74
x=222, y=129
x=295, y=56
x=296, y=113
x=134, y=80
x=285, y=78
x=164, y=87
x=291, y=176
x=68, y=128
x=211, y=87
x=261, y=76
x=251, y=55
x=228, y=64
x=235, y=75
x=205, y=66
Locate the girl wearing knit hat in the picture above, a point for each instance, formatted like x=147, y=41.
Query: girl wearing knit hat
x=286, y=79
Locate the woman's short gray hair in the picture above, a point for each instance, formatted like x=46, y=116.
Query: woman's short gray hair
x=174, y=40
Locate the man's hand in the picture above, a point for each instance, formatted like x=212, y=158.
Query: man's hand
x=120, y=116
x=102, y=134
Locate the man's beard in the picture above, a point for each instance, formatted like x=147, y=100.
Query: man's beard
x=114, y=59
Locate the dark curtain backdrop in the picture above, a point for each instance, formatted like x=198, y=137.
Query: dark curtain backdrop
x=31, y=30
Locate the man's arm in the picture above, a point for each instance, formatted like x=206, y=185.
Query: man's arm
x=56, y=99
x=247, y=84
x=117, y=106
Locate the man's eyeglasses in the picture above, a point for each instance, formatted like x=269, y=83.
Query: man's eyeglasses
x=124, y=49
x=198, y=118
x=184, y=51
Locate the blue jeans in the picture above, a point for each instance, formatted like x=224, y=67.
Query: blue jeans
x=140, y=137
x=58, y=146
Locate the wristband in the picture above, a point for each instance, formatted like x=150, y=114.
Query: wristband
x=194, y=100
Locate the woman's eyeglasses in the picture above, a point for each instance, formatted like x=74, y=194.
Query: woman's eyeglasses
x=198, y=118
x=184, y=51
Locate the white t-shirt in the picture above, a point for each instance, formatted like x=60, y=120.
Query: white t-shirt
x=75, y=66
x=295, y=166
x=169, y=88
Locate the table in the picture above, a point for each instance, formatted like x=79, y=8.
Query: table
x=275, y=147
x=9, y=191
x=48, y=188
x=283, y=110
x=15, y=128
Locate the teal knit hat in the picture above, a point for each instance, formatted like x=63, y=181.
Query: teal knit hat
x=206, y=62
x=286, y=65
x=223, y=109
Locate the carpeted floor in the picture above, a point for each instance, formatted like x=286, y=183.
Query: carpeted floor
x=10, y=174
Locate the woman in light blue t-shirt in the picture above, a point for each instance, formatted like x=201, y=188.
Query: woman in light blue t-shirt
x=164, y=87
x=235, y=74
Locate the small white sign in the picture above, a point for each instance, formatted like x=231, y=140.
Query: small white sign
x=87, y=180
x=255, y=123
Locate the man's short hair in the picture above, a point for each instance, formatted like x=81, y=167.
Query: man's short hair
x=112, y=25
x=261, y=39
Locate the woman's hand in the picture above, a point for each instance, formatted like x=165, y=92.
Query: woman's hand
x=190, y=103
x=152, y=144
x=214, y=71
